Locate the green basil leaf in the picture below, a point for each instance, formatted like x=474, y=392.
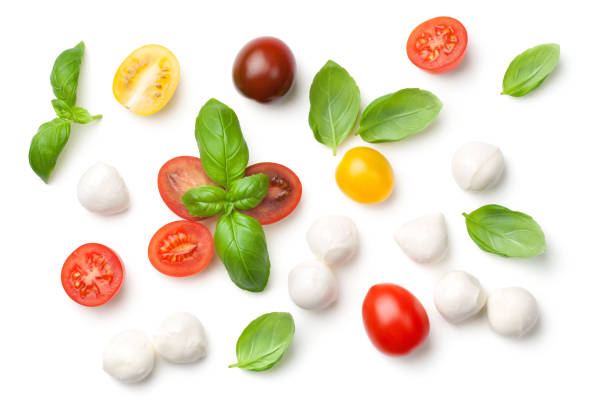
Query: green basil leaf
x=398, y=115
x=248, y=192
x=241, y=244
x=46, y=146
x=82, y=116
x=205, y=201
x=65, y=73
x=223, y=151
x=62, y=109
x=264, y=341
x=527, y=71
x=501, y=231
x=334, y=105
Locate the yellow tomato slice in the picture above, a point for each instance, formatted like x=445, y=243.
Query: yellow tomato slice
x=365, y=175
x=146, y=79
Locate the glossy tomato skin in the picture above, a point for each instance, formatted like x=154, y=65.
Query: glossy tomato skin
x=264, y=69
x=365, y=175
x=394, y=319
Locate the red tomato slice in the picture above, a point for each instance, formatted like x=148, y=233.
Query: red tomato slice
x=283, y=196
x=181, y=248
x=92, y=274
x=176, y=177
x=437, y=45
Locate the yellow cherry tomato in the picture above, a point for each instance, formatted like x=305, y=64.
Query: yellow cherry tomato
x=365, y=175
x=146, y=79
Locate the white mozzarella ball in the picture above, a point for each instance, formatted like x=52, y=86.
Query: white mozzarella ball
x=180, y=338
x=102, y=190
x=129, y=356
x=477, y=166
x=333, y=239
x=424, y=239
x=458, y=296
x=512, y=311
x=312, y=285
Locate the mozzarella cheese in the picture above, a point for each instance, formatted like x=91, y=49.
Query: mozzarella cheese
x=477, y=166
x=424, y=239
x=180, y=338
x=102, y=190
x=512, y=311
x=458, y=296
x=333, y=239
x=312, y=285
x=129, y=356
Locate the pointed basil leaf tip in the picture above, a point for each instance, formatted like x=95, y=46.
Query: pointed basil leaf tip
x=46, y=146
x=223, y=150
x=82, y=116
x=264, y=341
x=248, y=192
x=335, y=102
x=398, y=115
x=65, y=73
x=528, y=70
x=504, y=232
x=205, y=201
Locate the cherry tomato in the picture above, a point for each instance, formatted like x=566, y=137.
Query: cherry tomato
x=92, y=274
x=177, y=176
x=181, y=248
x=437, y=45
x=365, y=175
x=146, y=79
x=394, y=319
x=283, y=196
x=264, y=69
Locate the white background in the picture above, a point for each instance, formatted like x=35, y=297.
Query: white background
x=557, y=147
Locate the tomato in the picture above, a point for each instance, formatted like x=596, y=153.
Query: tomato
x=177, y=176
x=437, y=45
x=146, y=79
x=365, y=175
x=181, y=248
x=264, y=69
x=283, y=196
x=92, y=274
x=394, y=319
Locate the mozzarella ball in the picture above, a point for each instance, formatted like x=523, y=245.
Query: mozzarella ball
x=312, y=285
x=333, y=239
x=512, y=311
x=477, y=166
x=129, y=356
x=458, y=296
x=102, y=190
x=180, y=338
x=424, y=239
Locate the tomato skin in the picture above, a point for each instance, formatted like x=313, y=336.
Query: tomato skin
x=365, y=175
x=394, y=319
x=264, y=69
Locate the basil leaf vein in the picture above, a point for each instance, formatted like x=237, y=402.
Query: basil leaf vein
x=205, y=201
x=46, y=146
x=248, y=192
x=65, y=73
x=528, y=70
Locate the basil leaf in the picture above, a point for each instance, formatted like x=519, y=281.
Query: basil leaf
x=264, y=341
x=241, y=244
x=398, y=115
x=334, y=105
x=248, y=192
x=62, y=109
x=65, y=73
x=527, y=71
x=46, y=146
x=501, y=231
x=82, y=116
x=205, y=201
x=223, y=151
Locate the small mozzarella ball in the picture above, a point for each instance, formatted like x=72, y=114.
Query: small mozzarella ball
x=477, y=166
x=180, y=338
x=424, y=239
x=512, y=311
x=102, y=190
x=333, y=239
x=312, y=285
x=129, y=356
x=458, y=296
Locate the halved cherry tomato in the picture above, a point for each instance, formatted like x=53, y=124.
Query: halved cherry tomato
x=181, y=248
x=146, y=79
x=437, y=45
x=177, y=176
x=92, y=274
x=365, y=175
x=284, y=193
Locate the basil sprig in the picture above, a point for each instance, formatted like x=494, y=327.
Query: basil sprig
x=264, y=341
x=48, y=142
x=504, y=232
x=529, y=69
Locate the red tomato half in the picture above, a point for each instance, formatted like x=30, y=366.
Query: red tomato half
x=181, y=248
x=92, y=274
x=437, y=45
x=283, y=196
x=394, y=319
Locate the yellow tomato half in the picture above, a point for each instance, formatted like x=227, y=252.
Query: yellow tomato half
x=146, y=79
x=365, y=175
